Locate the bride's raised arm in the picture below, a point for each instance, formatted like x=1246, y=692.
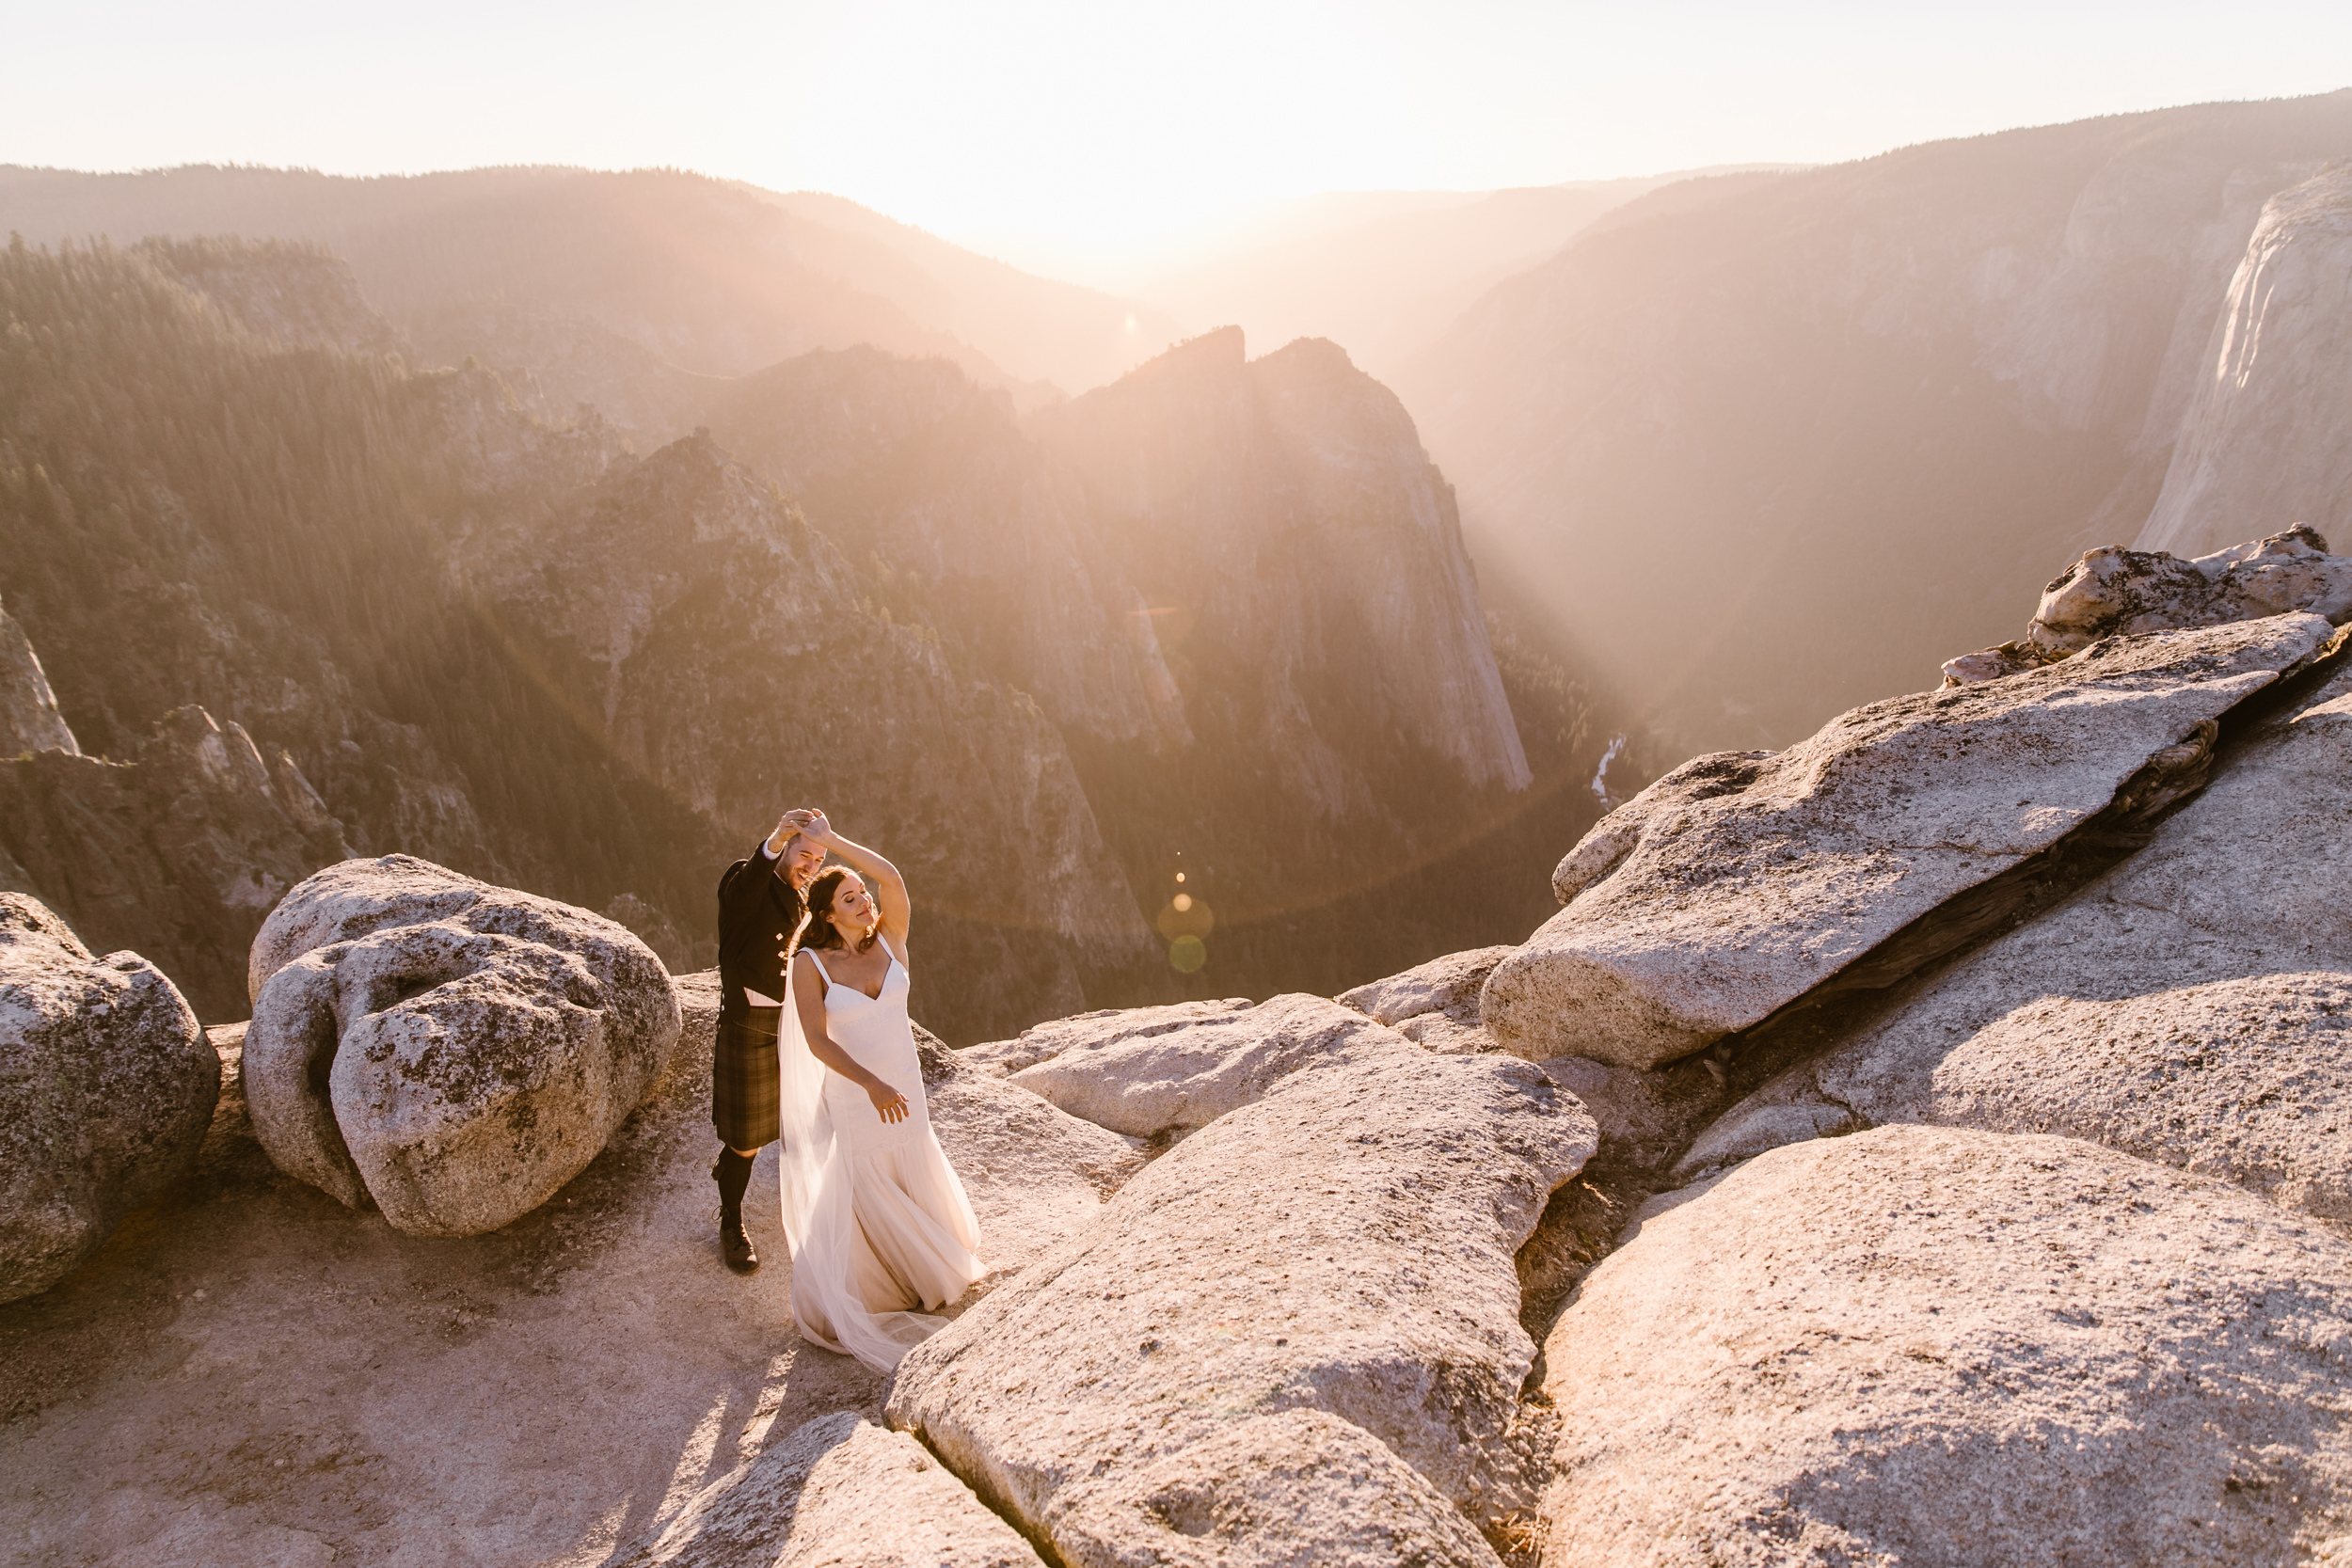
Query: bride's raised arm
x=889, y=889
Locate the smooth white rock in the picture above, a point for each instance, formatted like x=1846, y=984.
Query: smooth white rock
x=1173, y=1075
x=1104, y=1026
x=1445, y=985
x=840, y=1492
x=1935, y=1346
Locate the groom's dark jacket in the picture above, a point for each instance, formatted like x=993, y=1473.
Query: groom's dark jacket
x=758, y=912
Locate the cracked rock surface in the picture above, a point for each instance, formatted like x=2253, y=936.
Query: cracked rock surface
x=446, y=1051
x=1343, y=1246
x=839, y=1493
x=2191, y=1007
x=1739, y=881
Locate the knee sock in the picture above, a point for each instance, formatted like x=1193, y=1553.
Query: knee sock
x=734, y=1174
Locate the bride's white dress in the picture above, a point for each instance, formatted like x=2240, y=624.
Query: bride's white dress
x=877, y=1222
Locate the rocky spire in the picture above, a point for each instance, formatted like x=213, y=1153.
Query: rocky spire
x=29, y=720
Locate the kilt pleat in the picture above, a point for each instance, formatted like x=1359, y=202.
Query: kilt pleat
x=745, y=1091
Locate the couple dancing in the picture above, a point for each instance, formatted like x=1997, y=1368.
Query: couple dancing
x=815, y=1047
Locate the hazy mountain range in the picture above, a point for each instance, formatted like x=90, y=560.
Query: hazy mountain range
x=1214, y=619
x=1734, y=452
x=1386, y=273
x=607, y=278
x=1769, y=445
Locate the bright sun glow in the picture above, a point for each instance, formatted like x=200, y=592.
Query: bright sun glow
x=1088, y=139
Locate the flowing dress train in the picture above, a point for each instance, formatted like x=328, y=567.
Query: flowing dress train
x=877, y=1222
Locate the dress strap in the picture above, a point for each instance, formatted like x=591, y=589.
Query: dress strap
x=820, y=964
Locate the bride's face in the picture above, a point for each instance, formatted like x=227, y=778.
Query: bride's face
x=853, y=907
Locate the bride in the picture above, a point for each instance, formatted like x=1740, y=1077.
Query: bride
x=878, y=1223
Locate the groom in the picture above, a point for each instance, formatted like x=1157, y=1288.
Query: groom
x=759, y=909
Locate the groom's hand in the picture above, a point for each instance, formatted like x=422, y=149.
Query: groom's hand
x=792, y=822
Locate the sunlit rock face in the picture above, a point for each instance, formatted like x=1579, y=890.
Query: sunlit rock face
x=1293, y=540
x=1726, y=404
x=1928, y=1345
x=1294, y=1337
x=2188, y=1007
x=728, y=650
x=1739, y=881
x=178, y=853
x=2264, y=449
x=29, y=721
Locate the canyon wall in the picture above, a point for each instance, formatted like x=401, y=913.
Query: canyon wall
x=2262, y=447
x=1773, y=444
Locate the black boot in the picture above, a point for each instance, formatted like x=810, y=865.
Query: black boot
x=735, y=1244
x=734, y=1173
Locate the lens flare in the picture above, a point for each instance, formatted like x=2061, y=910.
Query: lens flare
x=1185, y=955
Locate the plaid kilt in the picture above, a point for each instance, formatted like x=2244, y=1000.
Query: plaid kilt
x=745, y=1092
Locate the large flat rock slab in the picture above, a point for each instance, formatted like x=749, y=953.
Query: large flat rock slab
x=1171, y=1074
x=839, y=1493
x=1037, y=1176
x=1936, y=1346
x=106, y=1086
x=1738, y=882
x=1344, y=1246
x=2189, y=1006
x=1449, y=984
x=1041, y=1042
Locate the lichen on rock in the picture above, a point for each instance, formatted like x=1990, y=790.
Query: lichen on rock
x=447, y=1051
x=106, y=1085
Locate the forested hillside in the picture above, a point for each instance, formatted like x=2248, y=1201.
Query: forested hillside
x=190, y=511
x=528, y=652
x=592, y=281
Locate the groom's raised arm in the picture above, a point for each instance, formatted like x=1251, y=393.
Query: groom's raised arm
x=747, y=890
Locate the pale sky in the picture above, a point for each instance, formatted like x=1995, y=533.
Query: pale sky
x=1073, y=137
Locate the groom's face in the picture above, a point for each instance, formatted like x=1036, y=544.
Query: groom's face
x=803, y=859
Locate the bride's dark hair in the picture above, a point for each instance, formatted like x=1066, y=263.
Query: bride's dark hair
x=822, y=931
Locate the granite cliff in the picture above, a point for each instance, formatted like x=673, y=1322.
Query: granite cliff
x=1940, y=367
x=1238, y=589
x=2005, y=1222
x=2262, y=448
